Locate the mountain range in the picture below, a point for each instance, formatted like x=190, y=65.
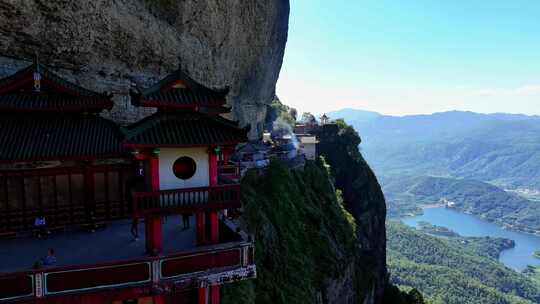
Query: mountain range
x=502, y=149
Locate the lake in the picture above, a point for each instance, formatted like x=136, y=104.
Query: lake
x=468, y=225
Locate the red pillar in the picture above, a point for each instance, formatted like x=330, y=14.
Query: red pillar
x=201, y=228
x=214, y=294
x=154, y=173
x=227, y=152
x=159, y=300
x=212, y=215
x=214, y=227
x=212, y=165
x=202, y=297
x=154, y=241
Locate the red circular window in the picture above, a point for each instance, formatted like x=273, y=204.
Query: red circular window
x=184, y=167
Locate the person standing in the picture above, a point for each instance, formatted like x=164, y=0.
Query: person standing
x=185, y=220
x=41, y=225
x=50, y=259
x=135, y=228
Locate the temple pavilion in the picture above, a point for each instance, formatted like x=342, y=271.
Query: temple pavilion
x=92, y=180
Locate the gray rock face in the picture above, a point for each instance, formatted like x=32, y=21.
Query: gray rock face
x=111, y=45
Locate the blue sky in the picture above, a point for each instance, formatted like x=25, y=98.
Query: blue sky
x=403, y=56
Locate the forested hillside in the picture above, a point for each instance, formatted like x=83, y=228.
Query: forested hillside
x=449, y=273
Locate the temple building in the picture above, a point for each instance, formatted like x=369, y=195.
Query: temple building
x=75, y=182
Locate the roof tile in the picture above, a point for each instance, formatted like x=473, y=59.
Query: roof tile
x=184, y=129
x=34, y=137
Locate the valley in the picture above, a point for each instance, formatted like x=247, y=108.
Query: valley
x=471, y=184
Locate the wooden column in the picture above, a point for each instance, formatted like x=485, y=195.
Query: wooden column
x=153, y=236
x=214, y=227
x=226, y=152
x=200, y=218
x=159, y=300
x=212, y=215
x=214, y=294
x=154, y=173
x=212, y=165
x=202, y=295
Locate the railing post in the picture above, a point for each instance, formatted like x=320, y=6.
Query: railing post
x=156, y=271
x=38, y=282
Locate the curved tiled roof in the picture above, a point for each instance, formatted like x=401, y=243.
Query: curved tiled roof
x=55, y=94
x=45, y=102
x=48, y=137
x=191, y=94
x=181, y=98
x=184, y=129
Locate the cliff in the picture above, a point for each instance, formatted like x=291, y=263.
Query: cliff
x=304, y=238
x=113, y=45
x=320, y=231
x=364, y=199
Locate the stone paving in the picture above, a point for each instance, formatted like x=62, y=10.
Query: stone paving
x=111, y=243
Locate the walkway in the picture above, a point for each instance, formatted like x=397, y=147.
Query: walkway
x=114, y=242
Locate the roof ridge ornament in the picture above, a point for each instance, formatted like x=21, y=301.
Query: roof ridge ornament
x=37, y=74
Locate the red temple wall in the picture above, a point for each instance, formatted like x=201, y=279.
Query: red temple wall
x=59, y=194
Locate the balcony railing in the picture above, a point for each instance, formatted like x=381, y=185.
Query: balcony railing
x=187, y=200
x=230, y=171
x=217, y=264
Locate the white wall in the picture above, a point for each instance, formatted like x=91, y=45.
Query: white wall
x=310, y=150
x=168, y=156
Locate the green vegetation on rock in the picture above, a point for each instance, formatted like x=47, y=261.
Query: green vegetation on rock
x=304, y=237
x=448, y=272
x=277, y=110
x=533, y=273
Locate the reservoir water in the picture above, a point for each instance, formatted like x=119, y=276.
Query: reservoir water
x=468, y=225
